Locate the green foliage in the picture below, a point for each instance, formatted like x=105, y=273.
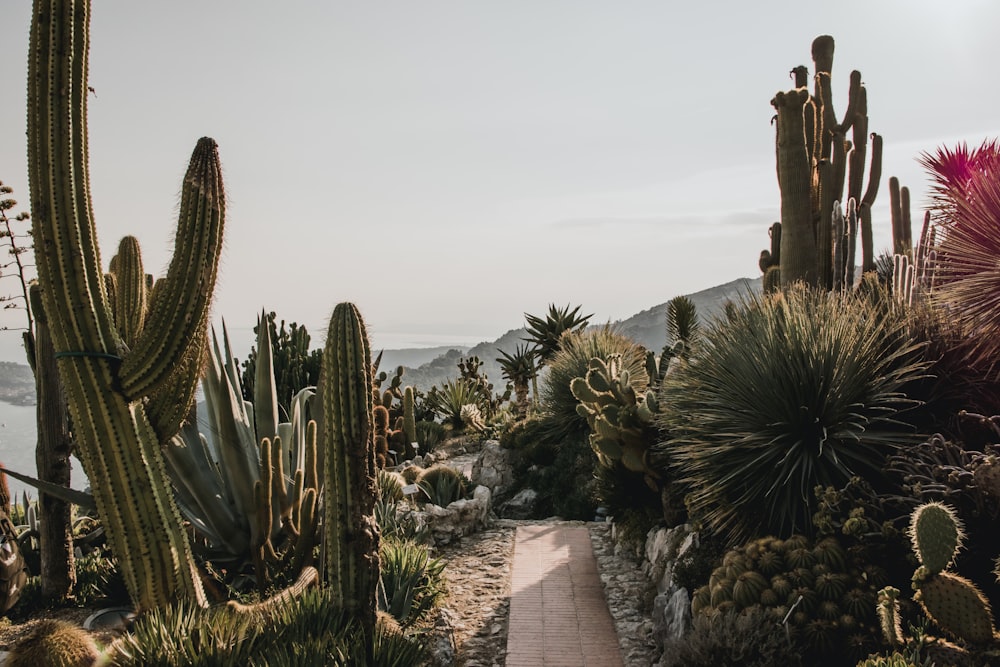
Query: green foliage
x=296, y=367
x=546, y=333
x=793, y=390
x=430, y=434
x=412, y=583
x=447, y=402
x=634, y=506
x=731, y=639
x=683, y=327
x=246, y=482
x=894, y=659
x=310, y=626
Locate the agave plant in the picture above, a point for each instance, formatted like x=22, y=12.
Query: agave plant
x=248, y=484
x=789, y=392
x=448, y=400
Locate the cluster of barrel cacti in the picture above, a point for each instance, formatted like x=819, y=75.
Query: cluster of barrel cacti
x=619, y=414
x=816, y=588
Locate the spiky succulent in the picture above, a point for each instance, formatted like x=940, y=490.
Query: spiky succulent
x=792, y=390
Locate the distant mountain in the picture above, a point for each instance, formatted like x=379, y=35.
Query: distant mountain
x=649, y=328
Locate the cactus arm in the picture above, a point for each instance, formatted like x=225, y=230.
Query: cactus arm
x=179, y=304
x=130, y=294
x=350, y=532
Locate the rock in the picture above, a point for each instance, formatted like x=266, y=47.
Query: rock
x=462, y=517
x=493, y=468
x=521, y=506
x=671, y=616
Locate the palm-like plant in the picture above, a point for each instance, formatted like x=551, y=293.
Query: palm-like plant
x=519, y=369
x=682, y=326
x=966, y=204
x=546, y=332
x=792, y=391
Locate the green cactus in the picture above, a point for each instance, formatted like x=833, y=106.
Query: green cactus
x=814, y=588
x=410, y=415
x=951, y=601
x=351, y=536
x=54, y=643
x=619, y=416
x=111, y=390
x=815, y=161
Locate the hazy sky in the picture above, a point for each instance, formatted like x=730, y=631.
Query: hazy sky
x=449, y=165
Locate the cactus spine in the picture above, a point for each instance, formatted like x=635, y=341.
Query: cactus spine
x=107, y=388
x=350, y=533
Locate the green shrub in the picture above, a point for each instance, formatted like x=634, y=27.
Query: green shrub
x=793, y=390
x=635, y=507
x=306, y=630
x=731, y=639
x=430, y=434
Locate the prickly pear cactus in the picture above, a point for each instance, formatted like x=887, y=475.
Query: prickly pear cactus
x=951, y=601
x=620, y=418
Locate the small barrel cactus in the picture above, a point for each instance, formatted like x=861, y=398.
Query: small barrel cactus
x=54, y=643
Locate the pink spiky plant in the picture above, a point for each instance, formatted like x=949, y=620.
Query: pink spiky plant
x=966, y=211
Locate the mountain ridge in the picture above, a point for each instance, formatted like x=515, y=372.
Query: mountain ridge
x=647, y=327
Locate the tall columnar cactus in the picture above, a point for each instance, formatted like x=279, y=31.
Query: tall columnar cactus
x=350, y=533
x=815, y=161
x=107, y=386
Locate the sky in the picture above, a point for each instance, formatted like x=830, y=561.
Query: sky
x=449, y=165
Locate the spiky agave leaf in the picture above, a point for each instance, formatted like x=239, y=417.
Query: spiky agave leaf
x=791, y=391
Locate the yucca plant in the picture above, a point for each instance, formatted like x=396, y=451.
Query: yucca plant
x=966, y=213
x=520, y=369
x=791, y=391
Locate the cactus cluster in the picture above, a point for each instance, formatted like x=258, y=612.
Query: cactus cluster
x=816, y=588
x=815, y=161
x=396, y=430
x=619, y=415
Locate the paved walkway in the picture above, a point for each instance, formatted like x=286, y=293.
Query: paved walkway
x=558, y=615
